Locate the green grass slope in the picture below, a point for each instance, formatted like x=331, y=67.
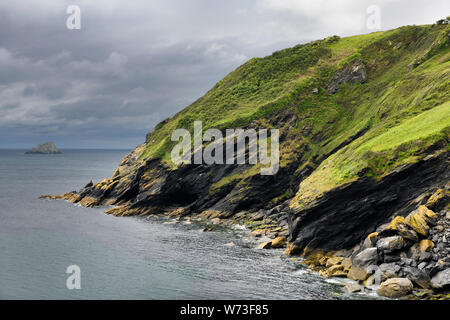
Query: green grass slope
x=362, y=130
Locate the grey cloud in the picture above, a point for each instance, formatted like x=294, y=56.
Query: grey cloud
x=133, y=64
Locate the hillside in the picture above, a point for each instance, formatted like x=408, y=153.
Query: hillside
x=364, y=129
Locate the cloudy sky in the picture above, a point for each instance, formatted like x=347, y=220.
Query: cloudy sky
x=134, y=63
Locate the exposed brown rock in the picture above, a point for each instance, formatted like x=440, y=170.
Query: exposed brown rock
x=357, y=273
x=395, y=287
x=278, y=242
x=426, y=245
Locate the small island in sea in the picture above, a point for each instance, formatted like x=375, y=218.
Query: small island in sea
x=45, y=148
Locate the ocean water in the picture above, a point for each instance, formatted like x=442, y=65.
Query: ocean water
x=125, y=257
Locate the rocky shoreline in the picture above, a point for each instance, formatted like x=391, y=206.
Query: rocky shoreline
x=390, y=236
x=408, y=257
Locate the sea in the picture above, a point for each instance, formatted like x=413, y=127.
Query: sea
x=53, y=249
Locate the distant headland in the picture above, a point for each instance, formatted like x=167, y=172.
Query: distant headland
x=45, y=148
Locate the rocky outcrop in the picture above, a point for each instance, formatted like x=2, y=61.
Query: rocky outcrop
x=203, y=191
x=278, y=242
x=345, y=215
x=398, y=265
x=353, y=73
x=45, y=148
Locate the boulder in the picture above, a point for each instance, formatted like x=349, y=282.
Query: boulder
x=333, y=261
x=416, y=254
x=379, y=277
x=357, y=273
x=347, y=263
x=419, y=277
x=279, y=242
x=258, y=232
x=429, y=215
x=371, y=281
x=366, y=257
x=336, y=271
x=265, y=245
x=417, y=223
x=433, y=269
x=441, y=280
x=353, y=287
x=406, y=233
x=426, y=245
x=397, y=227
x=387, y=229
x=391, y=244
x=371, y=269
x=419, y=219
x=389, y=270
x=395, y=288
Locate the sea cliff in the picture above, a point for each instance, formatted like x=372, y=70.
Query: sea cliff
x=363, y=185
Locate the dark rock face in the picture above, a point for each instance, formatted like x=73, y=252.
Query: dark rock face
x=190, y=187
x=45, y=148
x=345, y=215
x=152, y=187
x=390, y=253
x=354, y=73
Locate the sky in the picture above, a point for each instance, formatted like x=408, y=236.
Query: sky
x=134, y=63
